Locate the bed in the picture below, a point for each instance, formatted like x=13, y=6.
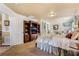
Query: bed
x=58, y=45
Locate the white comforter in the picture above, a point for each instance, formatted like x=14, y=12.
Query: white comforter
x=58, y=41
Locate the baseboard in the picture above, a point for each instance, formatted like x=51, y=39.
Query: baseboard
x=4, y=45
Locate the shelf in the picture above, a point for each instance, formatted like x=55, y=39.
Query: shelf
x=26, y=33
x=30, y=28
x=25, y=26
x=33, y=33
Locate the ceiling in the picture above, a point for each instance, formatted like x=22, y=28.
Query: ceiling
x=42, y=9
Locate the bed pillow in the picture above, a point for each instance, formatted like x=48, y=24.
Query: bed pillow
x=75, y=36
x=69, y=35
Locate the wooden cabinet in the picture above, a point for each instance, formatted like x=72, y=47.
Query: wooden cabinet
x=26, y=31
x=31, y=30
x=26, y=38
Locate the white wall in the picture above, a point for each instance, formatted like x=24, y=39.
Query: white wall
x=4, y=28
x=6, y=38
x=60, y=22
x=44, y=31
x=16, y=26
x=4, y=9
x=16, y=30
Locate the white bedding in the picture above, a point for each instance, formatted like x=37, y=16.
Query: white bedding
x=58, y=41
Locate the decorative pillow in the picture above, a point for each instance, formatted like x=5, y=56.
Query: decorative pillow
x=74, y=36
x=69, y=35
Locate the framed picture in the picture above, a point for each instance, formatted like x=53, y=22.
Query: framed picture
x=55, y=27
x=67, y=24
x=6, y=23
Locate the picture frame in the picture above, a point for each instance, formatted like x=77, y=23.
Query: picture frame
x=67, y=24
x=6, y=23
x=55, y=27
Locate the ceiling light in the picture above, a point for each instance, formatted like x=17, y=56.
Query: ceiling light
x=51, y=14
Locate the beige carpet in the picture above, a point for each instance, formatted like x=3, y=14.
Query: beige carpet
x=3, y=49
x=27, y=49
